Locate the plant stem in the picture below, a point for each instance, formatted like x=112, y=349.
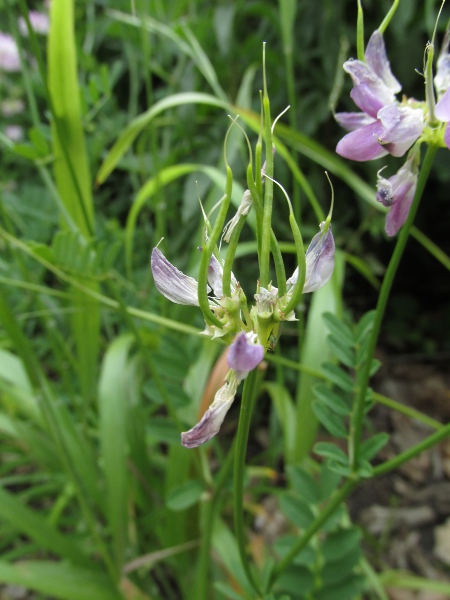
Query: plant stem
x=334, y=503
x=360, y=391
x=239, y=468
x=428, y=442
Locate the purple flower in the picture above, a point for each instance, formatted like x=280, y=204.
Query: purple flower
x=397, y=193
x=384, y=126
x=245, y=354
x=319, y=262
x=9, y=53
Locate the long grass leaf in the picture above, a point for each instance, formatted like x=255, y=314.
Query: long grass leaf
x=130, y=133
x=314, y=352
x=113, y=409
x=72, y=174
x=60, y=580
x=35, y=526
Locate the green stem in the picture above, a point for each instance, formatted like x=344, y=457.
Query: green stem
x=202, y=575
x=335, y=501
x=239, y=471
x=268, y=199
x=231, y=251
x=388, y=17
x=360, y=33
x=360, y=391
x=404, y=457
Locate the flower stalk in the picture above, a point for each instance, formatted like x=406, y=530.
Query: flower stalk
x=357, y=418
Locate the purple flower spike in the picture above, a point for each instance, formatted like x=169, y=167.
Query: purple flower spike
x=172, y=283
x=213, y=418
x=245, y=354
x=397, y=192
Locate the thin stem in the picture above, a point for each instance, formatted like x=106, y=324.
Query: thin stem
x=387, y=19
x=429, y=442
x=268, y=195
x=360, y=390
x=360, y=33
x=239, y=470
x=335, y=501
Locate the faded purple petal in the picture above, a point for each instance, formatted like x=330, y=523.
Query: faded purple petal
x=442, y=110
x=319, y=260
x=352, y=121
x=245, y=354
x=442, y=78
x=172, y=283
x=215, y=276
x=9, y=53
x=362, y=145
x=447, y=136
x=369, y=93
x=369, y=99
x=398, y=213
x=377, y=60
x=398, y=193
x=402, y=126
x=213, y=418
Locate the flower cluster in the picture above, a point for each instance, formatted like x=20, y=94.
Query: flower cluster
x=387, y=125
x=251, y=332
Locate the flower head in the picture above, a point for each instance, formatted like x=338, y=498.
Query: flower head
x=385, y=126
x=397, y=193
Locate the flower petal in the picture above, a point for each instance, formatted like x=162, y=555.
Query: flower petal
x=213, y=418
x=215, y=276
x=442, y=109
x=245, y=354
x=402, y=126
x=362, y=145
x=398, y=213
x=172, y=283
x=369, y=93
x=447, y=136
x=319, y=260
x=352, y=121
x=377, y=60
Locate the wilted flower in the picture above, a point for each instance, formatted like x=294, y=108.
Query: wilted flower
x=38, y=21
x=319, y=262
x=244, y=355
x=397, y=193
x=9, y=53
x=385, y=126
